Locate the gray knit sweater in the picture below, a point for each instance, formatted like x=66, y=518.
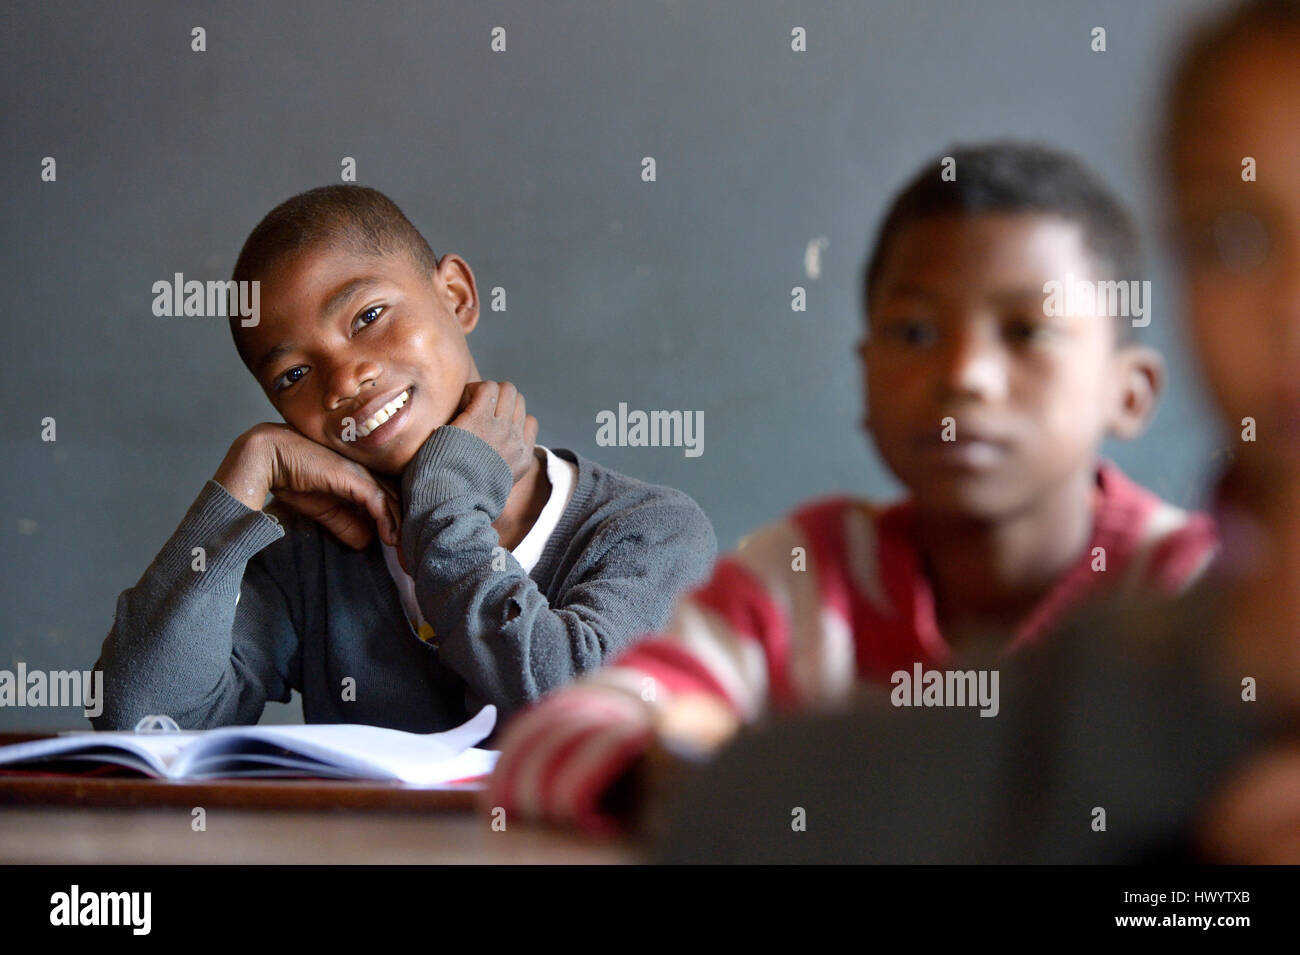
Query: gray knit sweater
x=284, y=605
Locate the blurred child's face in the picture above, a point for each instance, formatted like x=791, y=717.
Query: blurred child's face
x=342, y=335
x=1240, y=244
x=959, y=329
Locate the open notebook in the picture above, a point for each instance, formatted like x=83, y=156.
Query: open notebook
x=331, y=751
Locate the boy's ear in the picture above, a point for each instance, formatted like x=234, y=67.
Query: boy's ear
x=456, y=282
x=1141, y=377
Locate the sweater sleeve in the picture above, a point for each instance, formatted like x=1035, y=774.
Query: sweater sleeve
x=493, y=626
x=725, y=659
x=206, y=635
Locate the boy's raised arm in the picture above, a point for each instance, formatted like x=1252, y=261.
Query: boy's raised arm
x=207, y=635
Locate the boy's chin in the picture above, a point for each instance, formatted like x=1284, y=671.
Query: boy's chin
x=968, y=499
x=393, y=465
x=394, y=461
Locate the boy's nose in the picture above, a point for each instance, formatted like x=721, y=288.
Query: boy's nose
x=973, y=366
x=347, y=378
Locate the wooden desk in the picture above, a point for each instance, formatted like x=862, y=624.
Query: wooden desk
x=247, y=836
x=78, y=820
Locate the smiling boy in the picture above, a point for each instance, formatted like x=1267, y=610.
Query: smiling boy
x=502, y=569
x=990, y=408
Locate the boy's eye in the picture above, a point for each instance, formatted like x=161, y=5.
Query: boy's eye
x=368, y=317
x=289, y=377
x=911, y=332
x=1022, y=331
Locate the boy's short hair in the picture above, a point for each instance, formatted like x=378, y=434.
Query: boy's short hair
x=363, y=219
x=1015, y=177
x=1206, y=48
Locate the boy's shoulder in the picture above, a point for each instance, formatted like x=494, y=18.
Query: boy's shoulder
x=834, y=536
x=1162, y=545
x=629, y=527
x=598, y=486
x=604, y=498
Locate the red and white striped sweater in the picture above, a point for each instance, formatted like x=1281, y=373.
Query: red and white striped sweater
x=772, y=631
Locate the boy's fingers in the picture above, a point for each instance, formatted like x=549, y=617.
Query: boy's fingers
x=385, y=516
x=367, y=493
x=379, y=502
x=507, y=396
x=480, y=394
x=530, y=431
x=324, y=484
x=349, y=526
x=394, y=497
x=392, y=487
x=395, y=512
x=350, y=529
x=333, y=514
x=466, y=399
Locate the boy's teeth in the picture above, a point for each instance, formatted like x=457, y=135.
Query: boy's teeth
x=382, y=415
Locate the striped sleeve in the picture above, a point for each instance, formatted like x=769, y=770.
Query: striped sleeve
x=754, y=637
x=1160, y=547
x=1177, y=548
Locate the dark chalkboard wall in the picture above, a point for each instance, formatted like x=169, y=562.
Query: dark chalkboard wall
x=672, y=294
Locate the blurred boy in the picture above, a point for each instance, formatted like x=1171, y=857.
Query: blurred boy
x=1164, y=731
x=990, y=407
x=502, y=569
x=1236, y=97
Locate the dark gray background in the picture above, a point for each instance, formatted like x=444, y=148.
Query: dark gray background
x=672, y=295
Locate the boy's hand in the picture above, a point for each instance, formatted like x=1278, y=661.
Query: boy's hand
x=688, y=731
x=315, y=481
x=495, y=412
